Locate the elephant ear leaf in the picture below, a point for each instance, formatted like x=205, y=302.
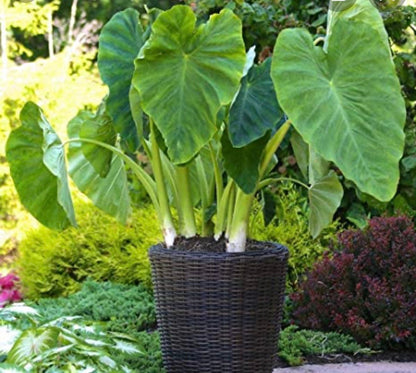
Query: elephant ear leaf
x=109, y=193
x=194, y=71
x=345, y=103
x=242, y=164
x=99, y=128
x=120, y=42
x=255, y=109
x=324, y=198
x=37, y=166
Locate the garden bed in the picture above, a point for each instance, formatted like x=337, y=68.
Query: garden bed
x=338, y=358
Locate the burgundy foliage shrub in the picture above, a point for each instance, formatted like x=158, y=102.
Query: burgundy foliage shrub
x=367, y=288
x=8, y=290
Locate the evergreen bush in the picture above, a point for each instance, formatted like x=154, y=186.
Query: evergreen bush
x=52, y=264
x=368, y=288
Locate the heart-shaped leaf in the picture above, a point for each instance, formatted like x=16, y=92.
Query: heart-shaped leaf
x=324, y=198
x=37, y=166
x=363, y=11
x=255, y=109
x=119, y=44
x=186, y=73
x=99, y=128
x=242, y=164
x=347, y=103
x=109, y=193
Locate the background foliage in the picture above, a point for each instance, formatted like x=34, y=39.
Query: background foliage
x=55, y=263
x=368, y=288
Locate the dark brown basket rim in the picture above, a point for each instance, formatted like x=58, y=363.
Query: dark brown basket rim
x=269, y=249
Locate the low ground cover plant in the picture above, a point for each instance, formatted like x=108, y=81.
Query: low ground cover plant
x=52, y=264
x=67, y=344
x=367, y=289
x=110, y=320
x=296, y=344
x=125, y=308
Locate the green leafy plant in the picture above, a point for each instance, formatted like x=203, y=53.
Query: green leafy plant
x=295, y=344
x=289, y=226
x=65, y=344
x=124, y=308
x=127, y=309
x=54, y=264
x=214, y=123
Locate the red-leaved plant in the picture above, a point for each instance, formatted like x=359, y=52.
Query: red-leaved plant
x=9, y=292
x=367, y=288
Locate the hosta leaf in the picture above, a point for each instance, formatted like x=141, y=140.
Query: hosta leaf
x=99, y=128
x=109, y=193
x=242, y=164
x=255, y=109
x=347, y=103
x=11, y=368
x=324, y=198
x=8, y=338
x=31, y=343
x=37, y=166
x=186, y=73
x=120, y=42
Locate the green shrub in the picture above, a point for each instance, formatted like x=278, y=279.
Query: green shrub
x=295, y=344
x=290, y=228
x=53, y=263
x=125, y=308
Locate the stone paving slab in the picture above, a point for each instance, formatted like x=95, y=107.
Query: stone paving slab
x=376, y=367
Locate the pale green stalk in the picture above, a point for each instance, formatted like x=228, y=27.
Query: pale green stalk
x=186, y=209
x=237, y=232
x=168, y=228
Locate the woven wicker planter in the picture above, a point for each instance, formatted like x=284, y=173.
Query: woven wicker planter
x=219, y=312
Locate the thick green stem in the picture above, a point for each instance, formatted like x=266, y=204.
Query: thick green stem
x=204, y=193
x=222, y=210
x=217, y=174
x=230, y=209
x=186, y=208
x=272, y=146
x=237, y=231
x=237, y=235
x=168, y=228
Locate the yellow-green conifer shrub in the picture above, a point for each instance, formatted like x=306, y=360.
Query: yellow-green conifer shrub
x=290, y=228
x=54, y=263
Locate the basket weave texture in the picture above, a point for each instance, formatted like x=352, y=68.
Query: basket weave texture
x=219, y=312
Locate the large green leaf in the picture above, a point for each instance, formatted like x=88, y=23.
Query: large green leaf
x=109, y=193
x=363, y=11
x=255, y=109
x=347, y=103
x=186, y=73
x=32, y=342
x=324, y=198
x=120, y=42
x=37, y=166
x=99, y=128
x=242, y=164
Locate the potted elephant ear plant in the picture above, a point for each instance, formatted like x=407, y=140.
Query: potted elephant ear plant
x=208, y=118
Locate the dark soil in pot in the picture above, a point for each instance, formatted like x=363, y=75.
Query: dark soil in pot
x=219, y=312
